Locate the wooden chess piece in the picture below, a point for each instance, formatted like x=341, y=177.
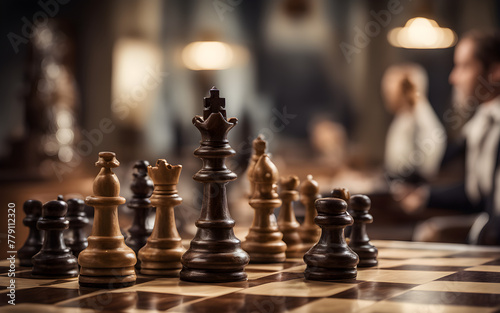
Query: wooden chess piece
x=76, y=238
x=360, y=242
x=54, y=258
x=343, y=193
x=33, y=244
x=309, y=232
x=259, y=148
x=287, y=222
x=331, y=258
x=142, y=188
x=215, y=254
x=162, y=253
x=263, y=242
x=107, y=262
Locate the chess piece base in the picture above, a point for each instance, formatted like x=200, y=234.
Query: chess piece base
x=25, y=262
x=367, y=255
x=162, y=257
x=211, y=276
x=161, y=272
x=265, y=252
x=320, y=273
x=110, y=282
x=47, y=264
x=296, y=251
x=69, y=274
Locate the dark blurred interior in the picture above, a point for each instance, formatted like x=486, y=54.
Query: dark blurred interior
x=79, y=77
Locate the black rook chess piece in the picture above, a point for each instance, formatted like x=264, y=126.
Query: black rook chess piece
x=331, y=258
x=215, y=254
x=360, y=242
x=75, y=238
x=33, y=210
x=142, y=188
x=54, y=259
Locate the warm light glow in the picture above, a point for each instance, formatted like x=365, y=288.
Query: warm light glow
x=136, y=78
x=422, y=33
x=208, y=55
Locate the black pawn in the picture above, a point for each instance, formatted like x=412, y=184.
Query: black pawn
x=331, y=258
x=54, y=259
x=142, y=188
x=360, y=242
x=75, y=238
x=33, y=244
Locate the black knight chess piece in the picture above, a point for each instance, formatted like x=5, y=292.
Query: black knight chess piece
x=331, y=258
x=54, y=258
x=33, y=244
x=215, y=254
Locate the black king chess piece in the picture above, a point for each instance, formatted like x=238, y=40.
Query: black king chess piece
x=33, y=211
x=142, y=188
x=54, y=259
x=215, y=254
x=331, y=258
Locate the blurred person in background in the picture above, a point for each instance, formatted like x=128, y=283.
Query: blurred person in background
x=416, y=140
x=476, y=81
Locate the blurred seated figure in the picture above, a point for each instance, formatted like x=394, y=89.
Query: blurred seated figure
x=329, y=139
x=476, y=82
x=416, y=140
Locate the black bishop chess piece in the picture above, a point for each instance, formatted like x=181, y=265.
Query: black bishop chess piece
x=359, y=240
x=331, y=258
x=54, y=258
x=215, y=254
x=75, y=237
x=33, y=244
x=142, y=188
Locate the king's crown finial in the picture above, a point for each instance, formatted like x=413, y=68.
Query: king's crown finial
x=214, y=104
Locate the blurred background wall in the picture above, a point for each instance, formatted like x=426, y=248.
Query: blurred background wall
x=288, y=55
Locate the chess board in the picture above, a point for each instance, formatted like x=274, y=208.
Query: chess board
x=411, y=277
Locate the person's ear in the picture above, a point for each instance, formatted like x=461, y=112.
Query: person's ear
x=494, y=76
